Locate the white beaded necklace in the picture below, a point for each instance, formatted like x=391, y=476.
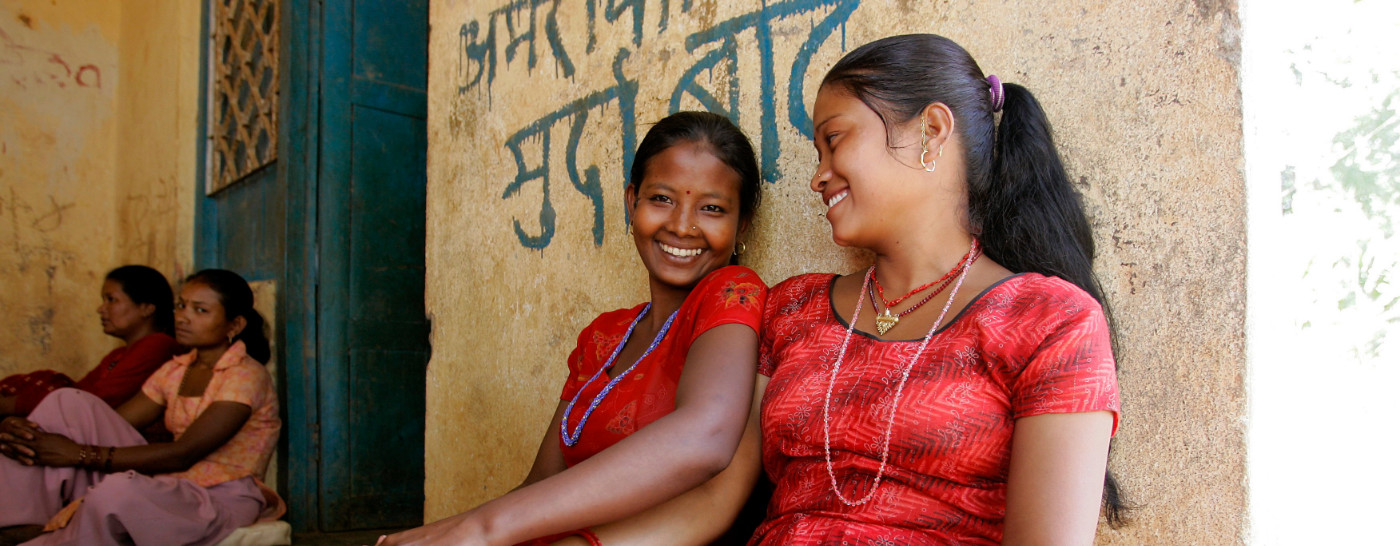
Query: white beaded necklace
x=899, y=390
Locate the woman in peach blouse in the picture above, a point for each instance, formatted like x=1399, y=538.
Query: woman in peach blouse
x=83, y=468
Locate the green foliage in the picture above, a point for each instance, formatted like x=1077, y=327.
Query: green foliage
x=1370, y=163
x=1367, y=171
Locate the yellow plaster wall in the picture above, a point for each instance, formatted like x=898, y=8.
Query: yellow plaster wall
x=1145, y=99
x=58, y=144
x=97, y=157
x=157, y=121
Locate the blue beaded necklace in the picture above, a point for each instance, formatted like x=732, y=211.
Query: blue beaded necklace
x=570, y=440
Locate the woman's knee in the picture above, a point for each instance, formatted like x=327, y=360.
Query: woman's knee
x=49, y=412
x=67, y=397
x=113, y=492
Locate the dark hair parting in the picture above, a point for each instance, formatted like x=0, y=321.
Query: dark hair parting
x=237, y=298
x=725, y=139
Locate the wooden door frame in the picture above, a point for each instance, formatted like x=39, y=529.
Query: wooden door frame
x=299, y=165
x=299, y=68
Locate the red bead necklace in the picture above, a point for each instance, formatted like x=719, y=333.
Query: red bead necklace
x=884, y=320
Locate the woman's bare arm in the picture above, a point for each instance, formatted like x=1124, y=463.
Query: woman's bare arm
x=700, y=515
x=549, y=460
x=140, y=411
x=674, y=454
x=212, y=429
x=1055, y=484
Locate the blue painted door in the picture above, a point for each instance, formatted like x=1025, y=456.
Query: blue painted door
x=338, y=220
x=373, y=334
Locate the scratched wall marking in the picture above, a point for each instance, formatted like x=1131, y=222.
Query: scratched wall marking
x=33, y=67
x=532, y=32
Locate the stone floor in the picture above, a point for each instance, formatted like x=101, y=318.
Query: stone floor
x=351, y=538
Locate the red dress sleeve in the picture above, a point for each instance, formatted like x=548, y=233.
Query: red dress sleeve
x=729, y=295
x=116, y=382
x=1072, y=371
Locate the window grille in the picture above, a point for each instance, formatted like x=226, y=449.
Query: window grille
x=242, y=111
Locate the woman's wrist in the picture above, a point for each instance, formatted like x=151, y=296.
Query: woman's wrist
x=90, y=457
x=81, y=459
x=467, y=528
x=588, y=535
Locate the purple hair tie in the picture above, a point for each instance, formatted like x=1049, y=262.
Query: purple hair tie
x=998, y=94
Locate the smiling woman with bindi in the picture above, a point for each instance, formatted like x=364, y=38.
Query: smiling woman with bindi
x=654, y=439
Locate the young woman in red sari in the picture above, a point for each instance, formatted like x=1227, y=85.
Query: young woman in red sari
x=137, y=309
x=657, y=395
x=962, y=389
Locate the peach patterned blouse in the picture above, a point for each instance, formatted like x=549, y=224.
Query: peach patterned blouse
x=237, y=378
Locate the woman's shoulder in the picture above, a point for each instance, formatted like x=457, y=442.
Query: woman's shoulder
x=155, y=343
x=158, y=339
x=800, y=286
x=248, y=381
x=249, y=367
x=729, y=290
x=1033, y=294
x=611, y=319
x=728, y=274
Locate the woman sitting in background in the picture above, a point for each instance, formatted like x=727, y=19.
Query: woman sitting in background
x=136, y=307
x=218, y=401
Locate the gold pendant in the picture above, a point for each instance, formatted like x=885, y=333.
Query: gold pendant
x=884, y=321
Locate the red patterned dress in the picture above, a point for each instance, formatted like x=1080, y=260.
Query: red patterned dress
x=1028, y=345
x=729, y=295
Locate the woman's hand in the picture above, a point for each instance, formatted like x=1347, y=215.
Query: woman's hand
x=48, y=450
x=459, y=529
x=15, y=432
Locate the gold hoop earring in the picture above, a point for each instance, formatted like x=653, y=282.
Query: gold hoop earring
x=929, y=166
x=740, y=248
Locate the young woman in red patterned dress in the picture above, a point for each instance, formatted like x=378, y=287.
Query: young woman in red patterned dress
x=658, y=395
x=962, y=390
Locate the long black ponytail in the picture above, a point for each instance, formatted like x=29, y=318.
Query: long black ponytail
x=1030, y=216
x=237, y=298
x=1032, y=219
x=1020, y=202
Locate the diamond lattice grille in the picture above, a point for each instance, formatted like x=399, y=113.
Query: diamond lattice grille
x=243, y=89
